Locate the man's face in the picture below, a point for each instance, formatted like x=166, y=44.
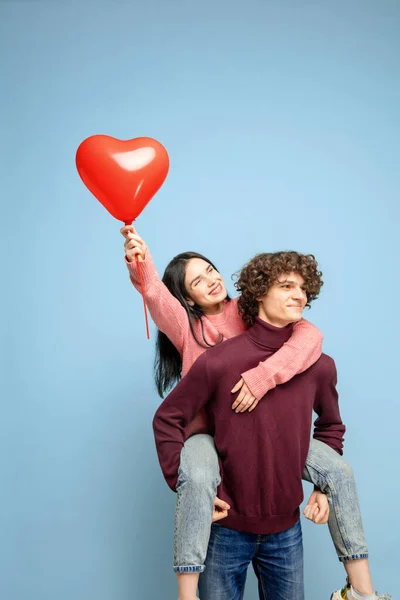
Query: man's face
x=284, y=302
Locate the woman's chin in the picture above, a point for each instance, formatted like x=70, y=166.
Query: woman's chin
x=218, y=298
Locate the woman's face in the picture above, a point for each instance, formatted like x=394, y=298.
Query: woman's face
x=205, y=286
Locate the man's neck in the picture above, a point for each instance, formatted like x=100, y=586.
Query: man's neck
x=274, y=322
x=269, y=335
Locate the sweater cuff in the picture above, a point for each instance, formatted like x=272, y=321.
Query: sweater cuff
x=258, y=386
x=147, y=267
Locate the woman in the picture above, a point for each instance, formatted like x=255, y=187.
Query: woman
x=193, y=312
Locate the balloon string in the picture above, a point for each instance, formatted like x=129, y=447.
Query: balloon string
x=144, y=299
x=141, y=288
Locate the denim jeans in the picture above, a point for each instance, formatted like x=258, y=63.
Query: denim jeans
x=197, y=487
x=334, y=476
x=277, y=560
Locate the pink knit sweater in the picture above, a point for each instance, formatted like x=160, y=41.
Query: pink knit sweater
x=301, y=351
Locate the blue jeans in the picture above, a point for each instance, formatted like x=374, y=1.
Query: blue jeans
x=197, y=487
x=334, y=476
x=277, y=562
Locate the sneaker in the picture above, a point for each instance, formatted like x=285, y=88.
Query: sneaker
x=342, y=594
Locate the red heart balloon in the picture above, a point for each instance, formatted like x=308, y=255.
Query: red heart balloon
x=123, y=175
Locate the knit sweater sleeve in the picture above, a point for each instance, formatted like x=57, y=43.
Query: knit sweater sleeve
x=178, y=409
x=165, y=310
x=328, y=427
x=298, y=354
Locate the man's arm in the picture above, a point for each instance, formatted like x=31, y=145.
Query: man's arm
x=178, y=409
x=328, y=427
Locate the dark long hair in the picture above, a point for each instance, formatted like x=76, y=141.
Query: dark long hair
x=168, y=361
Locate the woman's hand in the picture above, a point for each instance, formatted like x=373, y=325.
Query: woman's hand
x=134, y=245
x=245, y=400
x=220, y=509
x=317, y=509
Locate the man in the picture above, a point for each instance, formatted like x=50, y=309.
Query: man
x=262, y=453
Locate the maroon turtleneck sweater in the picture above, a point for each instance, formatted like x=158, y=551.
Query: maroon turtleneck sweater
x=262, y=453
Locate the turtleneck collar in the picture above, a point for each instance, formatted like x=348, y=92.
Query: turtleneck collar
x=269, y=336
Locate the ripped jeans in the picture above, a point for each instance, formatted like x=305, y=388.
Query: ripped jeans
x=197, y=487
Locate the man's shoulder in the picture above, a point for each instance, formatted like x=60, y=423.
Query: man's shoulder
x=227, y=347
x=217, y=358
x=325, y=366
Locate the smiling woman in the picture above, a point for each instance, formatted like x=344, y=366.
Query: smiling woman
x=205, y=286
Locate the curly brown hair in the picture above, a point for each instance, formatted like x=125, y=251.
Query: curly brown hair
x=264, y=270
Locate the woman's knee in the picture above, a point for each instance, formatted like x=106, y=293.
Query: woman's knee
x=199, y=461
x=340, y=481
x=329, y=466
x=343, y=474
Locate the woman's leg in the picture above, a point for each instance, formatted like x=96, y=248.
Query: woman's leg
x=332, y=475
x=196, y=490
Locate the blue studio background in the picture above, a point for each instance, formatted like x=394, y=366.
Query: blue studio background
x=281, y=120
